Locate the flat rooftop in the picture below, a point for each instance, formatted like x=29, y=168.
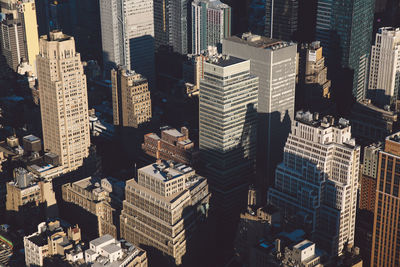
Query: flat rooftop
x=259, y=41
x=225, y=61
x=102, y=239
x=31, y=138
x=161, y=171
x=303, y=244
x=173, y=132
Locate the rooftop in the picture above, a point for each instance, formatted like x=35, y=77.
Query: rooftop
x=326, y=121
x=174, y=132
x=164, y=171
x=224, y=60
x=111, y=248
x=303, y=244
x=102, y=239
x=259, y=41
x=31, y=138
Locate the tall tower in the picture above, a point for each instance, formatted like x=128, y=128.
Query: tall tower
x=131, y=98
x=386, y=236
x=63, y=99
x=227, y=131
x=384, y=72
x=317, y=181
x=344, y=28
x=127, y=29
x=281, y=19
x=274, y=63
x=211, y=23
x=18, y=32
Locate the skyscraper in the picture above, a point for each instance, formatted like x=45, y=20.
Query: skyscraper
x=63, y=99
x=18, y=32
x=127, y=30
x=274, y=62
x=344, y=28
x=384, y=75
x=211, y=23
x=227, y=131
x=163, y=208
x=386, y=237
x=131, y=98
x=171, y=24
x=281, y=19
x=317, y=181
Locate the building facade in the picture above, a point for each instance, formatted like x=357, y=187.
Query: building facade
x=19, y=33
x=344, y=28
x=316, y=184
x=386, y=238
x=173, y=145
x=127, y=30
x=130, y=98
x=227, y=130
x=274, y=63
x=384, y=74
x=105, y=251
x=211, y=23
x=163, y=207
x=281, y=19
x=63, y=100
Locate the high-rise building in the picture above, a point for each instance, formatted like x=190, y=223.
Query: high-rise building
x=19, y=33
x=171, y=24
x=63, y=100
x=211, y=23
x=131, y=98
x=313, y=86
x=386, y=238
x=127, y=32
x=227, y=130
x=163, y=207
x=281, y=19
x=344, y=28
x=316, y=184
x=274, y=63
x=384, y=74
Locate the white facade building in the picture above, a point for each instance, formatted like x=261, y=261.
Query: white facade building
x=385, y=62
x=317, y=182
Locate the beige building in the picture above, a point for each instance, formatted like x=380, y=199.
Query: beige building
x=131, y=98
x=95, y=199
x=105, y=251
x=51, y=239
x=19, y=33
x=27, y=189
x=63, y=100
x=163, y=206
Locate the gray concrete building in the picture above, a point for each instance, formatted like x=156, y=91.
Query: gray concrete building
x=227, y=131
x=274, y=63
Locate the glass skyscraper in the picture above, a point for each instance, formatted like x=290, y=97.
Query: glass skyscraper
x=344, y=28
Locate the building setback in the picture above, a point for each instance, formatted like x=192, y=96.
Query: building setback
x=63, y=100
x=274, y=63
x=318, y=179
x=163, y=207
x=131, y=98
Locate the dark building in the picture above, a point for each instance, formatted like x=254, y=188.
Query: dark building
x=281, y=19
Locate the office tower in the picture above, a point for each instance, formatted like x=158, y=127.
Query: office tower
x=18, y=33
x=281, y=19
x=163, y=208
x=344, y=28
x=313, y=86
x=211, y=23
x=171, y=24
x=63, y=100
x=368, y=177
x=274, y=62
x=131, y=98
x=227, y=131
x=385, y=239
x=317, y=181
x=127, y=32
x=384, y=74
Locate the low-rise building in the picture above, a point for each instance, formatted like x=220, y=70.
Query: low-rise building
x=163, y=207
x=52, y=239
x=91, y=198
x=105, y=251
x=173, y=145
